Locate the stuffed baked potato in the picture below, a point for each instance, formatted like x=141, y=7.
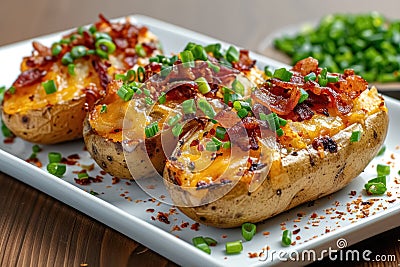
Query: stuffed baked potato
x=327, y=129
x=49, y=100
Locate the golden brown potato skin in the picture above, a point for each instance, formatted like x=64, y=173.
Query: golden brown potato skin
x=49, y=125
x=302, y=178
x=109, y=155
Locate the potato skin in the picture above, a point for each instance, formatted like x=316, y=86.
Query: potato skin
x=49, y=125
x=109, y=155
x=302, y=178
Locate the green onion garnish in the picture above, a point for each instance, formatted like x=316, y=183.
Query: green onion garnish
x=187, y=59
x=177, y=130
x=173, y=120
x=11, y=90
x=375, y=188
x=232, y=54
x=379, y=179
x=280, y=132
x=248, y=231
x=215, y=49
x=286, y=238
x=220, y=132
x=206, y=107
x=105, y=45
x=103, y=108
x=141, y=74
x=203, y=85
x=210, y=241
x=282, y=74
x=78, y=51
x=355, y=136
x=189, y=46
x=125, y=92
x=189, y=106
x=120, y=76
x=56, y=49
x=130, y=75
x=140, y=50
x=242, y=113
x=6, y=132
x=80, y=30
x=382, y=169
x=303, y=95
x=83, y=175
x=49, y=86
x=381, y=151
x=154, y=59
x=148, y=100
x=322, y=81
x=92, y=29
x=238, y=87
x=67, y=59
x=214, y=67
x=332, y=79
x=310, y=77
x=199, y=52
x=234, y=247
x=71, y=69
x=267, y=71
x=151, y=129
x=201, y=244
x=102, y=35
x=162, y=98
x=54, y=157
x=212, y=146
x=36, y=149
x=226, y=145
x=56, y=169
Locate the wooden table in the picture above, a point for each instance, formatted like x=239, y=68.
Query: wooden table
x=38, y=230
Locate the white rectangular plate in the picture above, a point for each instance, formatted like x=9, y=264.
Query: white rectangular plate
x=126, y=208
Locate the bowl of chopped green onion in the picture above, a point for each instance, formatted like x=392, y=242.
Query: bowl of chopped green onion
x=369, y=43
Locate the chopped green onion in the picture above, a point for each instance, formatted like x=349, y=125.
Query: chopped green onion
x=216, y=141
x=78, y=51
x=54, y=157
x=103, y=108
x=94, y=193
x=303, y=95
x=215, y=49
x=214, y=67
x=6, y=132
x=332, y=79
x=104, y=46
x=187, y=59
x=226, y=145
x=11, y=90
x=49, y=86
x=162, y=98
x=248, y=231
x=203, y=85
x=33, y=156
x=201, y=244
x=310, y=77
x=282, y=122
x=286, y=238
x=151, y=129
x=282, y=74
x=280, y=132
x=83, y=175
x=92, y=29
x=120, y=76
x=322, y=81
x=210, y=241
x=189, y=46
x=67, y=59
x=379, y=179
x=267, y=71
x=238, y=87
x=206, y=107
x=141, y=74
x=65, y=41
x=220, y=132
x=102, y=35
x=56, y=169
x=232, y=54
x=71, y=69
x=381, y=151
x=148, y=100
x=140, y=50
x=355, y=136
x=56, y=49
x=36, y=149
x=146, y=92
x=199, y=52
x=375, y=188
x=242, y=113
x=154, y=59
x=237, y=105
x=189, y=106
x=212, y=146
x=382, y=169
x=273, y=120
x=177, y=130
x=80, y=30
x=234, y=247
x=125, y=93
x=173, y=120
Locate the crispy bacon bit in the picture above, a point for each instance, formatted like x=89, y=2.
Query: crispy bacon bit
x=327, y=143
x=303, y=111
x=277, y=99
x=101, y=69
x=195, y=227
x=29, y=77
x=41, y=49
x=245, y=63
x=163, y=217
x=306, y=66
x=92, y=94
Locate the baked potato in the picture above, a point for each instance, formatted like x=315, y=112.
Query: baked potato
x=326, y=128
x=106, y=136
x=49, y=100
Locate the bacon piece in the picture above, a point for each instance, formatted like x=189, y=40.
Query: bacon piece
x=245, y=62
x=41, y=49
x=303, y=111
x=101, y=69
x=353, y=86
x=277, y=99
x=29, y=77
x=306, y=66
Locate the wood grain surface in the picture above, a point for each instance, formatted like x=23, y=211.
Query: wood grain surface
x=38, y=230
